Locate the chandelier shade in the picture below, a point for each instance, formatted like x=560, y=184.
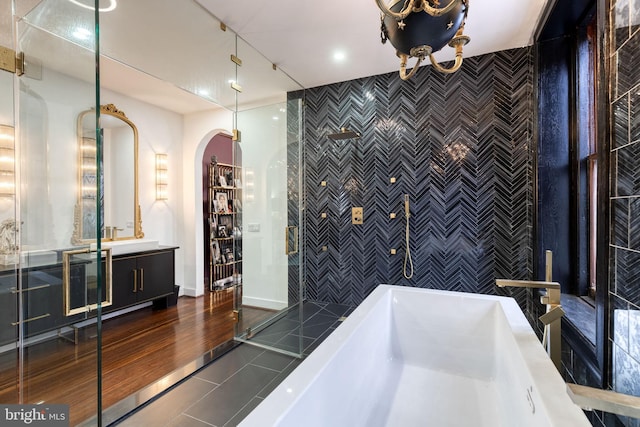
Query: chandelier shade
x=422, y=29
x=419, y=28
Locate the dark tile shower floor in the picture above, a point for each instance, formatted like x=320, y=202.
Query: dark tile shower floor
x=223, y=393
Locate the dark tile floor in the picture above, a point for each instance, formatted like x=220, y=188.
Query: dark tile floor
x=225, y=391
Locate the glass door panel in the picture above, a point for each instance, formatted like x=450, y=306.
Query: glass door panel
x=52, y=342
x=179, y=44
x=272, y=287
x=9, y=374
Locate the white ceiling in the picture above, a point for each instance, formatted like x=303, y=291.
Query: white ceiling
x=180, y=47
x=301, y=37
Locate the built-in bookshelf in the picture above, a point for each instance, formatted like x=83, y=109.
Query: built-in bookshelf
x=225, y=226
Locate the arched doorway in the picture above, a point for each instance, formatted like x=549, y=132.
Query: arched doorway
x=221, y=150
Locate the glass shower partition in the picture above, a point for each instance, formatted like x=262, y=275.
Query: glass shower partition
x=270, y=136
x=52, y=290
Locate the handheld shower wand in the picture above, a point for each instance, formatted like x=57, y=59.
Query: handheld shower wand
x=407, y=212
x=407, y=272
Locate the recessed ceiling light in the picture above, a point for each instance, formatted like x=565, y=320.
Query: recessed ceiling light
x=276, y=118
x=112, y=5
x=339, y=56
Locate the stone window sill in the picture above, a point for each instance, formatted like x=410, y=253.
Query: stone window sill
x=581, y=314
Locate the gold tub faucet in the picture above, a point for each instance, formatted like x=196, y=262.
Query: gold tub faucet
x=551, y=338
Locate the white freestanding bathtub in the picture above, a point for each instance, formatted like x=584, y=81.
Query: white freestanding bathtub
x=416, y=357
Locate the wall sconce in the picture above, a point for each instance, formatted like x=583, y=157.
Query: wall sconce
x=89, y=169
x=161, y=177
x=249, y=184
x=419, y=28
x=7, y=161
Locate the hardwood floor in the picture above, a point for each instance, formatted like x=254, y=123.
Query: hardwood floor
x=138, y=349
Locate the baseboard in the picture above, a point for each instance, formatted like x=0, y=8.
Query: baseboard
x=264, y=303
x=188, y=292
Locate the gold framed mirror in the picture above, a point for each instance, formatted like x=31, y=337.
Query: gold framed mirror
x=119, y=205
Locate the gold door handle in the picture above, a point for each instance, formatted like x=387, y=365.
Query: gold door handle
x=141, y=279
x=289, y=231
x=31, y=319
x=135, y=280
x=34, y=288
x=66, y=282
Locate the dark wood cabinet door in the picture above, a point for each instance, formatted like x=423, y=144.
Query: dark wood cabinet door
x=124, y=284
x=42, y=298
x=157, y=271
x=9, y=312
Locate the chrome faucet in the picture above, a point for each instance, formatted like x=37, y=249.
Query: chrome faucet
x=551, y=338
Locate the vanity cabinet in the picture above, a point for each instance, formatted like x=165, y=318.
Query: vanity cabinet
x=141, y=277
x=136, y=278
x=42, y=294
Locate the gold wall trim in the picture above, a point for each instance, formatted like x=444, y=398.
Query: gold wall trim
x=7, y=59
x=114, y=111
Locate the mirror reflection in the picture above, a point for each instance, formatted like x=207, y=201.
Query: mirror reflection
x=118, y=181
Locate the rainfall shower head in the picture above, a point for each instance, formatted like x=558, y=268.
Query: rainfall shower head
x=344, y=134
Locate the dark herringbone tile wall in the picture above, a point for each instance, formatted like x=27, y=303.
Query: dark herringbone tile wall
x=624, y=249
x=460, y=145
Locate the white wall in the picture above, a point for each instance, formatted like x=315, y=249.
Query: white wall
x=50, y=108
x=6, y=99
x=199, y=128
x=264, y=215
x=178, y=220
x=161, y=131
x=264, y=152
x=47, y=147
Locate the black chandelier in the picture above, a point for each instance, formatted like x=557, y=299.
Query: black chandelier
x=418, y=35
